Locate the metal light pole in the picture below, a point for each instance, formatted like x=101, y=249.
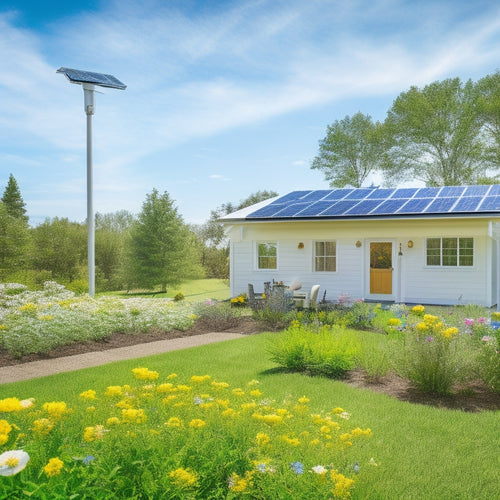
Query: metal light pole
x=89, y=81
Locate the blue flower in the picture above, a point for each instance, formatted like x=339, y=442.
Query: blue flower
x=88, y=459
x=297, y=467
x=198, y=401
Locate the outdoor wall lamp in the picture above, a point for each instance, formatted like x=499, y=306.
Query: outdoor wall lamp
x=358, y=244
x=300, y=245
x=410, y=244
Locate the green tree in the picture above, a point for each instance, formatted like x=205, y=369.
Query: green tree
x=59, y=246
x=436, y=135
x=112, y=231
x=213, y=243
x=161, y=249
x=13, y=200
x=489, y=109
x=14, y=241
x=352, y=149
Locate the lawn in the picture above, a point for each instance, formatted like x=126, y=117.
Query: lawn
x=193, y=290
x=420, y=452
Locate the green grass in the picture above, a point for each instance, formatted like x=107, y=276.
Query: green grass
x=422, y=452
x=193, y=290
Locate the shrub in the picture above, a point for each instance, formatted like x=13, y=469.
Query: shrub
x=217, y=316
x=434, y=356
x=178, y=297
x=330, y=351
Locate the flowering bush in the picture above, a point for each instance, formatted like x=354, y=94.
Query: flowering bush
x=433, y=355
x=36, y=322
x=156, y=440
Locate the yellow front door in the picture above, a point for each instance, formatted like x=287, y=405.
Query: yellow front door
x=381, y=267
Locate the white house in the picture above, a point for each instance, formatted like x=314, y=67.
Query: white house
x=411, y=245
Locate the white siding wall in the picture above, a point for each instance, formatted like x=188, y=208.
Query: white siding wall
x=413, y=282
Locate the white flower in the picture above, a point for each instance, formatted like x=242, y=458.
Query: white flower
x=319, y=469
x=12, y=462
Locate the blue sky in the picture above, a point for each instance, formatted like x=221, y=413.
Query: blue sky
x=223, y=98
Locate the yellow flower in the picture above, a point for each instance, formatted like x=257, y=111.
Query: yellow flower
x=238, y=392
x=29, y=308
x=263, y=439
x=220, y=385
x=303, y=400
x=249, y=406
x=360, y=432
x=132, y=416
x=10, y=404
x=197, y=423
x=113, y=390
x=184, y=388
x=145, y=374
x=113, y=421
x=240, y=484
x=53, y=467
x=230, y=412
x=183, y=478
x=171, y=376
x=450, y=332
x=90, y=394
x=255, y=393
x=200, y=378
x=55, y=409
x=5, y=427
x=42, y=426
x=167, y=387
x=92, y=433
x=290, y=441
x=394, y=322
x=418, y=309
x=338, y=410
x=342, y=484
x=270, y=419
x=174, y=422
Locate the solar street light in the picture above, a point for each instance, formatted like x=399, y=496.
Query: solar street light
x=89, y=81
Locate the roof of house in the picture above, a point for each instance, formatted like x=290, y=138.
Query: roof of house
x=367, y=203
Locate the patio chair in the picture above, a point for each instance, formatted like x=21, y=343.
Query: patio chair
x=255, y=300
x=310, y=301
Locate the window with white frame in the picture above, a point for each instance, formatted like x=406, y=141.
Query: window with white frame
x=450, y=252
x=267, y=255
x=325, y=256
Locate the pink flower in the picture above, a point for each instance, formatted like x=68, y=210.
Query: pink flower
x=481, y=320
x=469, y=321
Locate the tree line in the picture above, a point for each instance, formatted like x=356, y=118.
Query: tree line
x=444, y=134
x=153, y=250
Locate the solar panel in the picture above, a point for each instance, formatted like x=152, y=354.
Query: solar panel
x=427, y=192
x=389, y=207
x=338, y=194
x=341, y=207
x=364, y=207
x=101, y=79
x=404, y=192
x=350, y=202
x=467, y=204
x=316, y=208
x=415, y=206
x=455, y=191
x=316, y=195
x=495, y=190
x=476, y=190
x=358, y=194
x=440, y=205
x=291, y=210
x=490, y=203
x=381, y=194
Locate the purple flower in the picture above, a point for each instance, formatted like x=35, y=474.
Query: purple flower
x=297, y=467
x=429, y=339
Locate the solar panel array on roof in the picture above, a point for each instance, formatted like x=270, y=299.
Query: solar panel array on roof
x=366, y=202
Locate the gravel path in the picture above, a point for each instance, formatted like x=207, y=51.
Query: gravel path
x=45, y=367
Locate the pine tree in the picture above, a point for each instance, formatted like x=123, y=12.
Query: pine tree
x=13, y=200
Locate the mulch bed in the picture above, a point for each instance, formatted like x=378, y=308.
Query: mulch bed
x=474, y=397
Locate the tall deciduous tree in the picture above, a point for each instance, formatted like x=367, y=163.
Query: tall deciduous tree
x=13, y=200
x=59, y=247
x=437, y=135
x=489, y=108
x=352, y=149
x=161, y=250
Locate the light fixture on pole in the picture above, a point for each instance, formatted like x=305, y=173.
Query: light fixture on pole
x=89, y=81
